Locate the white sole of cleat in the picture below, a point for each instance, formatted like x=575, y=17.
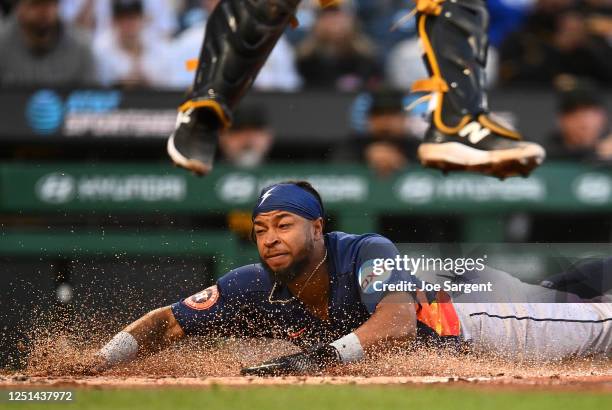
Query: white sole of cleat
x=455, y=156
x=195, y=166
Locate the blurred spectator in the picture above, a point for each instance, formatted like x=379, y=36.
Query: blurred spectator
x=337, y=54
x=598, y=6
x=404, y=62
x=380, y=16
x=507, y=16
x=248, y=142
x=96, y=16
x=306, y=16
x=6, y=6
x=599, y=18
x=388, y=146
x=38, y=50
x=405, y=65
x=278, y=73
x=192, y=13
x=580, y=52
x=556, y=40
x=125, y=54
x=582, y=122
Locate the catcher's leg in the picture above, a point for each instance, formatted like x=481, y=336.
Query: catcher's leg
x=240, y=34
x=463, y=136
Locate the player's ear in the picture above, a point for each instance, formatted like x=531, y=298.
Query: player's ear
x=317, y=225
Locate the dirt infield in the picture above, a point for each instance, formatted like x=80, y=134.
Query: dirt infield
x=20, y=380
x=556, y=382
x=54, y=363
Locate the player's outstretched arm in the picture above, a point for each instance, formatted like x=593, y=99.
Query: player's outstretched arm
x=152, y=332
x=393, y=322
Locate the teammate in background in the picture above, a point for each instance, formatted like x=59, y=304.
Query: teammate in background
x=319, y=292
x=247, y=143
x=463, y=136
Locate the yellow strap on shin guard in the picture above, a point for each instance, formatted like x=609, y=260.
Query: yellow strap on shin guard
x=213, y=105
x=329, y=3
x=435, y=84
x=431, y=7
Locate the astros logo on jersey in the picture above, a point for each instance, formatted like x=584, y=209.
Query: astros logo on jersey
x=203, y=300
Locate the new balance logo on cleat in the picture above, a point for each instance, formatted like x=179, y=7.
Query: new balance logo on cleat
x=184, y=117
x=475, y=132
x=479, y=148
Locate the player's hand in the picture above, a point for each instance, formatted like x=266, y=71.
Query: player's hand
x=296, y=364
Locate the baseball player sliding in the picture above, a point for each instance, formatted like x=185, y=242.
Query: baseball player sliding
x=315, y=290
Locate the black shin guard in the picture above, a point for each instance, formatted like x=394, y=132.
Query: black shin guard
x=459, y=42
x=454, y=35
x=462, y=135
x=240, y=35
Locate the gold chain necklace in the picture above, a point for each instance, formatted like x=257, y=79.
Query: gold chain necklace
x=303, y=287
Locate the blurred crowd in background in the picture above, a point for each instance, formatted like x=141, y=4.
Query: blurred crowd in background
x=146, y=43
x=564, y=45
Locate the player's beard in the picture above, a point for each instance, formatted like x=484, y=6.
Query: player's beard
x=291, y=272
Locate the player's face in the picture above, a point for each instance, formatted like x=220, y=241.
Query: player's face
x=285, y=242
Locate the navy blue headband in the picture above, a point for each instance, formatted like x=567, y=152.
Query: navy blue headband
x=290, y=198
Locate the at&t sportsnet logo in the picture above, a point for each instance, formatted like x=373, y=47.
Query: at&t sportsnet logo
x=45, y=112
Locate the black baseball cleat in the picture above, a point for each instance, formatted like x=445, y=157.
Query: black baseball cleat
x=240, y=35
x=478, y=148
x=463, y=136
x=193, y=143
